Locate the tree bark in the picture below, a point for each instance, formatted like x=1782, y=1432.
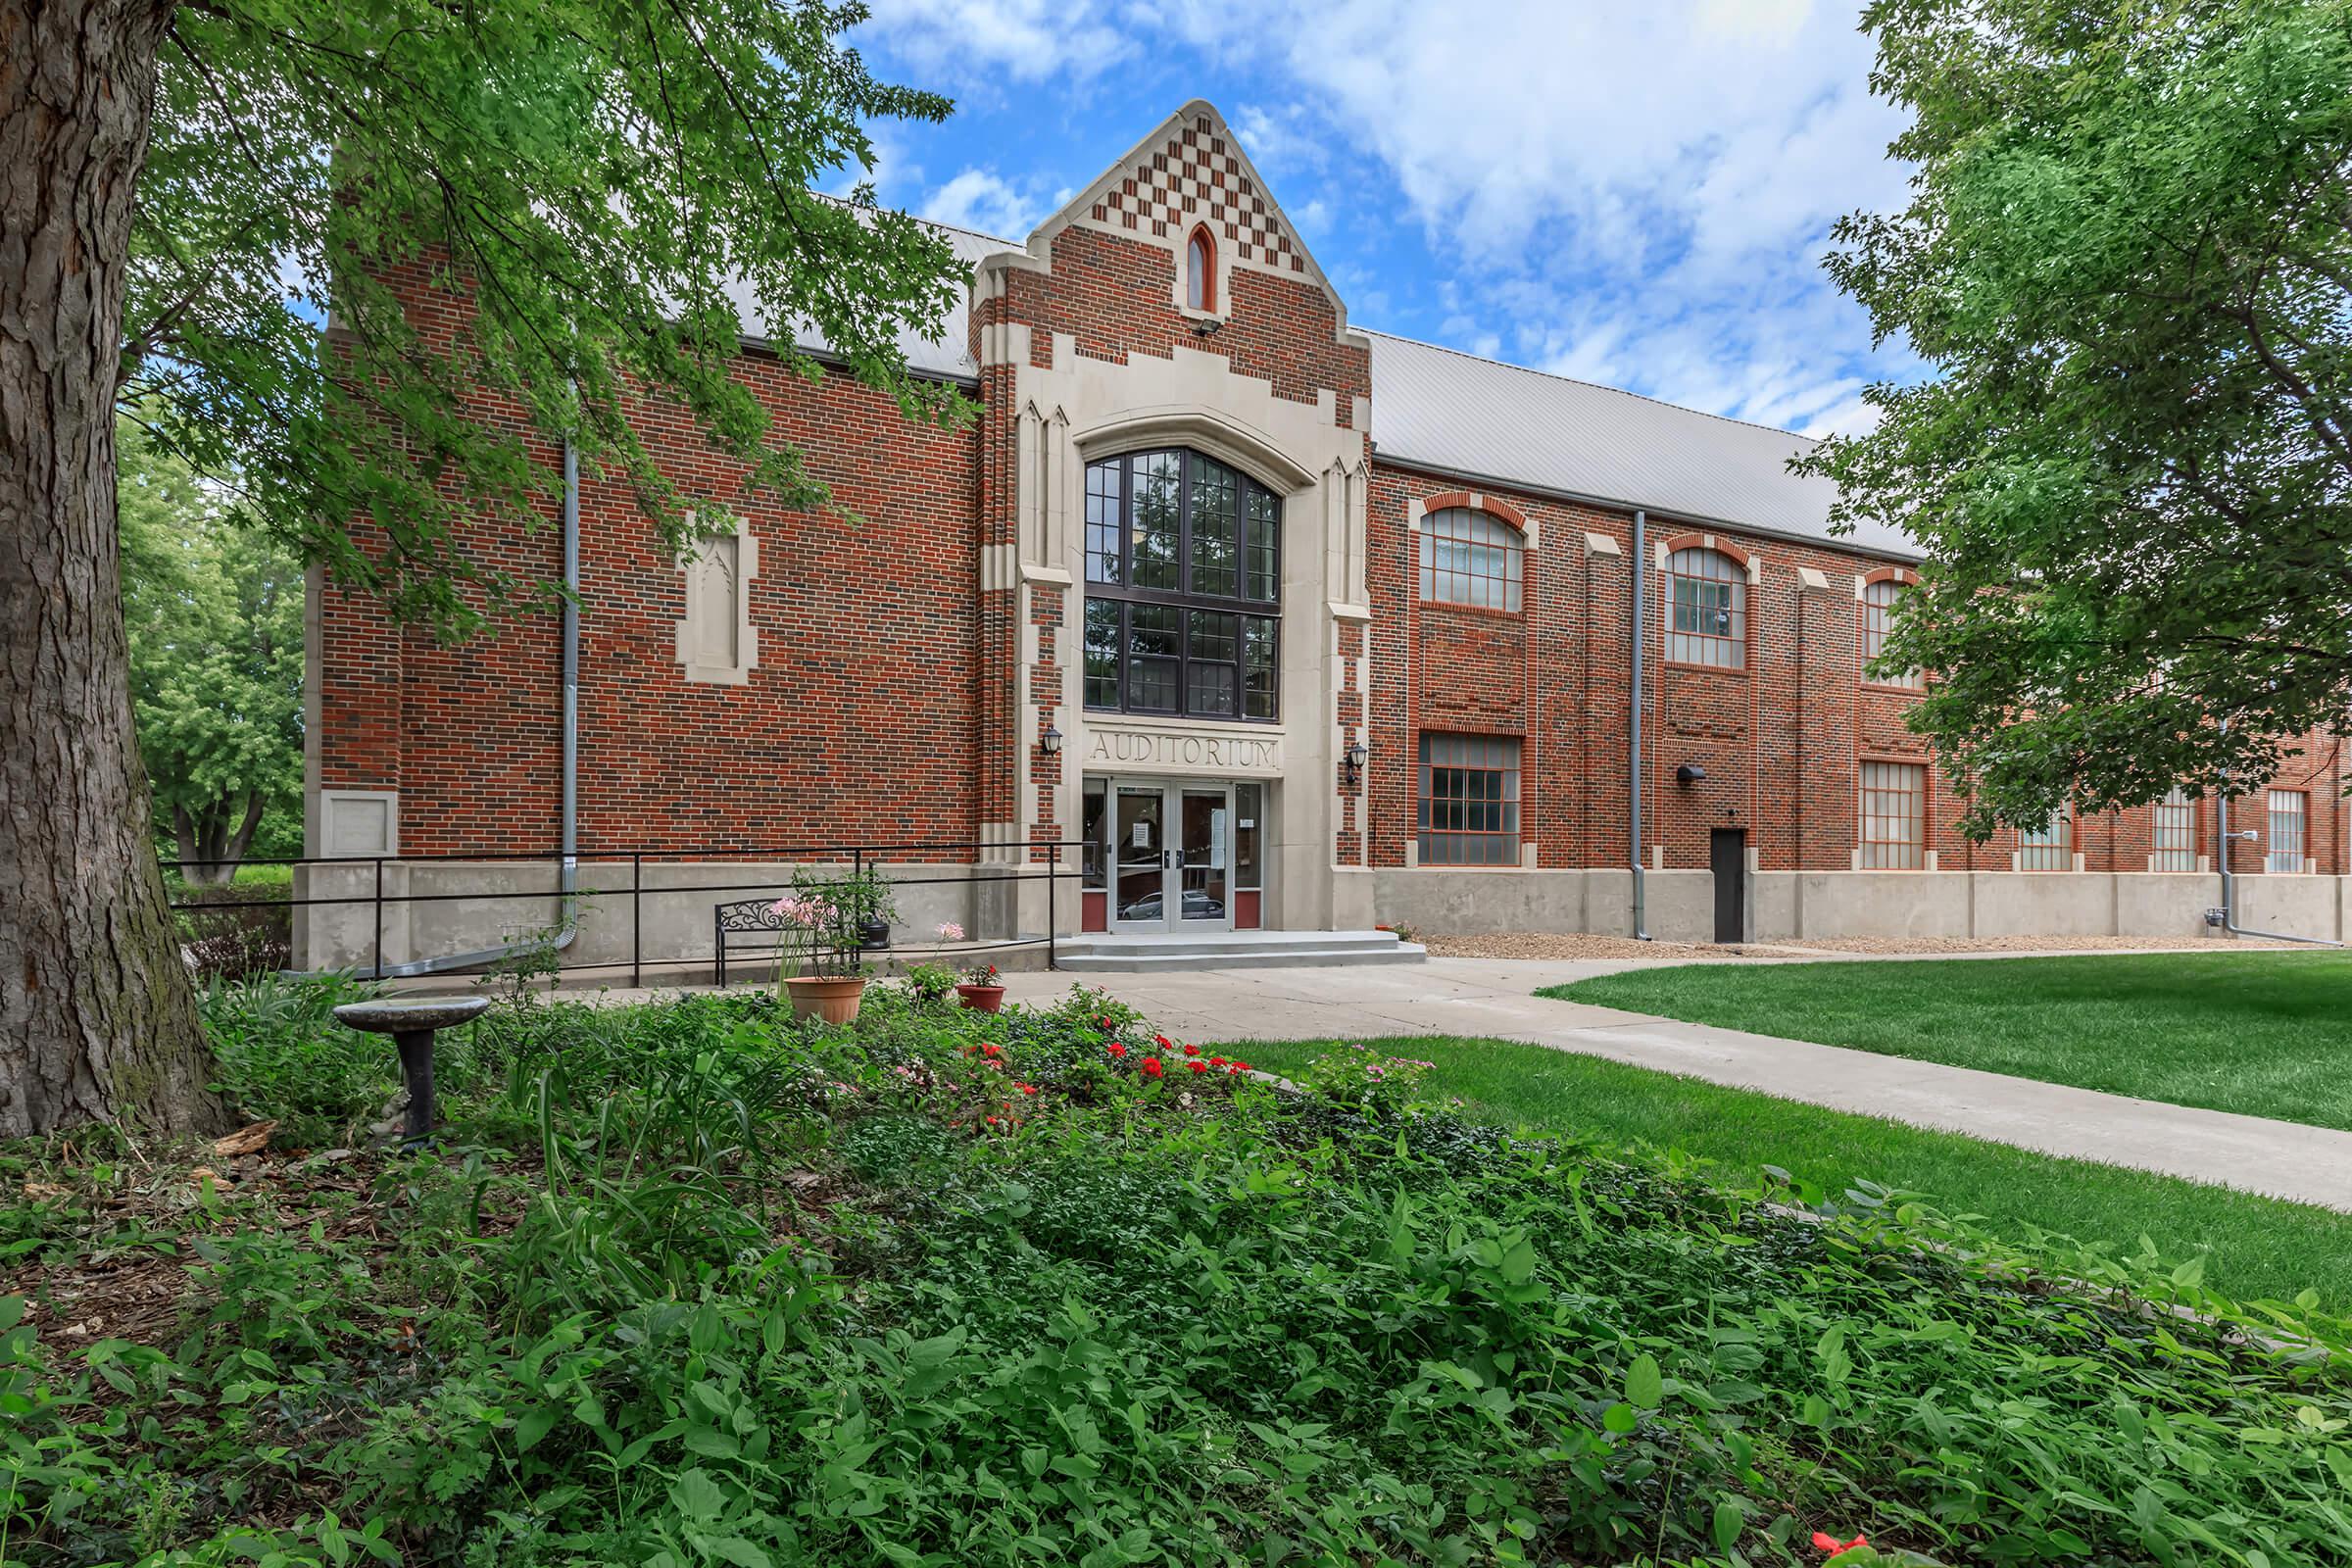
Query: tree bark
x=97, y=1017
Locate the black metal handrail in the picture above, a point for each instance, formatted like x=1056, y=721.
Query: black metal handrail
x=1031, y=867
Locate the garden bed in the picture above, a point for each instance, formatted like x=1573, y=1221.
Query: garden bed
x=691, y=1284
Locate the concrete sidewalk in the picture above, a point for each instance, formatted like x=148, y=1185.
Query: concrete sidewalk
x=1492, y=998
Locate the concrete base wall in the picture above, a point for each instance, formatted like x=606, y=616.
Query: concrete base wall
x=1821, y=905
x=1680, y=904
x=471, y=905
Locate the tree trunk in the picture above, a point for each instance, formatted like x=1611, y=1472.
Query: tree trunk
x=97, y=1017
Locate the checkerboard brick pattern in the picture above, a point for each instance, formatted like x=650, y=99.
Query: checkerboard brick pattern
x=1198, y=178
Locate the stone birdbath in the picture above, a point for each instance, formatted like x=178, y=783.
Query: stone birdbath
x=411, y=1021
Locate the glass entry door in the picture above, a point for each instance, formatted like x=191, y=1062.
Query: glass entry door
x=1172, y=858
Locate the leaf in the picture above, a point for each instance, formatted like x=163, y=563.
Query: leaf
x=1730, y=1519
x=737, y=1550
x=1644, y=1385
x=2189, y=1275
x=696, y=1495
x=1620, y=1419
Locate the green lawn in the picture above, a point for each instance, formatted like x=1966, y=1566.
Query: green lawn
x=2258, y=1246
x=2268, y=1034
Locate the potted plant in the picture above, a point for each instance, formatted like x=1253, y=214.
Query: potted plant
x=821, y=920
x=980, y=988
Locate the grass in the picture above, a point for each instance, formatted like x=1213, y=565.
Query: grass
x=2255, y=1247
x=2265, y=1034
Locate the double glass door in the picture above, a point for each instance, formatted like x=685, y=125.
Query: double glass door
x=1172, y=858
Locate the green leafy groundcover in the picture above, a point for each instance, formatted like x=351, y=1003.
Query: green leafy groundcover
x=694, y=1283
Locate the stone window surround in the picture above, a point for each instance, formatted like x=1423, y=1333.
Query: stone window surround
x=699, y=610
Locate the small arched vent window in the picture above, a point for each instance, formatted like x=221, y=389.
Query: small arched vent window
x=1200, y=272
x=1471, y=557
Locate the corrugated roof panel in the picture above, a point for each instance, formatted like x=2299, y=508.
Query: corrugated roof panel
x=1469, y=415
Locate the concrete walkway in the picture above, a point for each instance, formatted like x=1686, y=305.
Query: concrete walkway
x=1490, y=998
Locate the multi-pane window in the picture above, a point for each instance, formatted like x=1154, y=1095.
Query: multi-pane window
x=1469, y=800
x=1183, y=587
x=1877, y=618
x=2286, y=833
x=2176, y=840
x=1893, y=833
x=2048, y=847
x=1470, y=558
x=1706, y=597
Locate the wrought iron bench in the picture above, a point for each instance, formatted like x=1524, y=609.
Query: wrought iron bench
x=742, y=917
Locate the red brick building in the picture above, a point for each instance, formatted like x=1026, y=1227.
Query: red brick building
x=1296, y=625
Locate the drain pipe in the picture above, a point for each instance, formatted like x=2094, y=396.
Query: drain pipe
x=2225, y=917
x=1634, y=764
x=569, y=878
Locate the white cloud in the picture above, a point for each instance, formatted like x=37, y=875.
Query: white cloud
x=1637, y=195
x=981, y=42
x=981, y=199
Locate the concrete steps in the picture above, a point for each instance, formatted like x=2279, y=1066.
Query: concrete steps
x=1234, y=949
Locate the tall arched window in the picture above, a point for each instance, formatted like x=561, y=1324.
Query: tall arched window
x=1471, y=557
x=1200, y=272
x=1183, y=587
x=1879, y=600
x=1706, y=596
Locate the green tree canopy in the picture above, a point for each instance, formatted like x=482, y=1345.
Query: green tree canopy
x=212, y=212
x=623, y=192
x=2129, y=257
x=213, y=614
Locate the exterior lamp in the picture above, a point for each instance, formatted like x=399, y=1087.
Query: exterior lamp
x=1356, y=756
x=1688, y=773
x=1050, y=741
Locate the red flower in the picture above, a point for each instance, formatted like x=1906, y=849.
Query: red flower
x=991, y=1048
x=1823, y=1541
x=1197, y=1067
x=1027, y=1089
x=1161, y=1041
x=1237, y=1066
x=1104, y=1023
x=1152, y=1067
x=1115, y=1049
x=992, y=1121
x=1216, y=1062
x=1191, y=1051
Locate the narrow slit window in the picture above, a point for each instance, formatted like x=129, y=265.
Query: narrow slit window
x=1200, y=272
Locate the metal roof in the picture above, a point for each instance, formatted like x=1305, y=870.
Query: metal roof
x=1483, y=419
x=949, y=357
x=1509, y=427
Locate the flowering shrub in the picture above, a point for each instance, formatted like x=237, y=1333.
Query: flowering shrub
x=930, y=981
x=1362, y=1076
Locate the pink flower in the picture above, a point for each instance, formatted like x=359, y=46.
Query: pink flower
x=950, y=931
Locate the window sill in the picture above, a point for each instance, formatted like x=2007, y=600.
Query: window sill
x=1893, y=690
x=1486, y=611
x=1741, y=671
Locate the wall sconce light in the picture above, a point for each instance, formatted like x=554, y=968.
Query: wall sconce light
x=1356, y=756
x=1050, y=741
x=1688, y=773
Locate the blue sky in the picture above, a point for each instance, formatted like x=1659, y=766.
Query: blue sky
x=1635, y=192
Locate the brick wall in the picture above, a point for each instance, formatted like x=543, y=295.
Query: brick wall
x=1780, y=741
x=857, y=724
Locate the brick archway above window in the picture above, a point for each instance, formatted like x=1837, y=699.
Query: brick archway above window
x=1748, y=561
x=1471, y=500
x=1901, y=574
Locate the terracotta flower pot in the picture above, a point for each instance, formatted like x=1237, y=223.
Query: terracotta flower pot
x=981, y=998
x=831, y=998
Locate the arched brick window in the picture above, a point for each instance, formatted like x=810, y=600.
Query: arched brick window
x=1879, y=600
x=1200, y=272
x=1706, y=609
x=1471, y=557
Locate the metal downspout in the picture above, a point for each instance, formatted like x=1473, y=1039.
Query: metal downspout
x=2226, y=916
x=569, y=880
x=1640, y=644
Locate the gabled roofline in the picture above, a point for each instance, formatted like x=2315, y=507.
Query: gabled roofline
x=1038, y=253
